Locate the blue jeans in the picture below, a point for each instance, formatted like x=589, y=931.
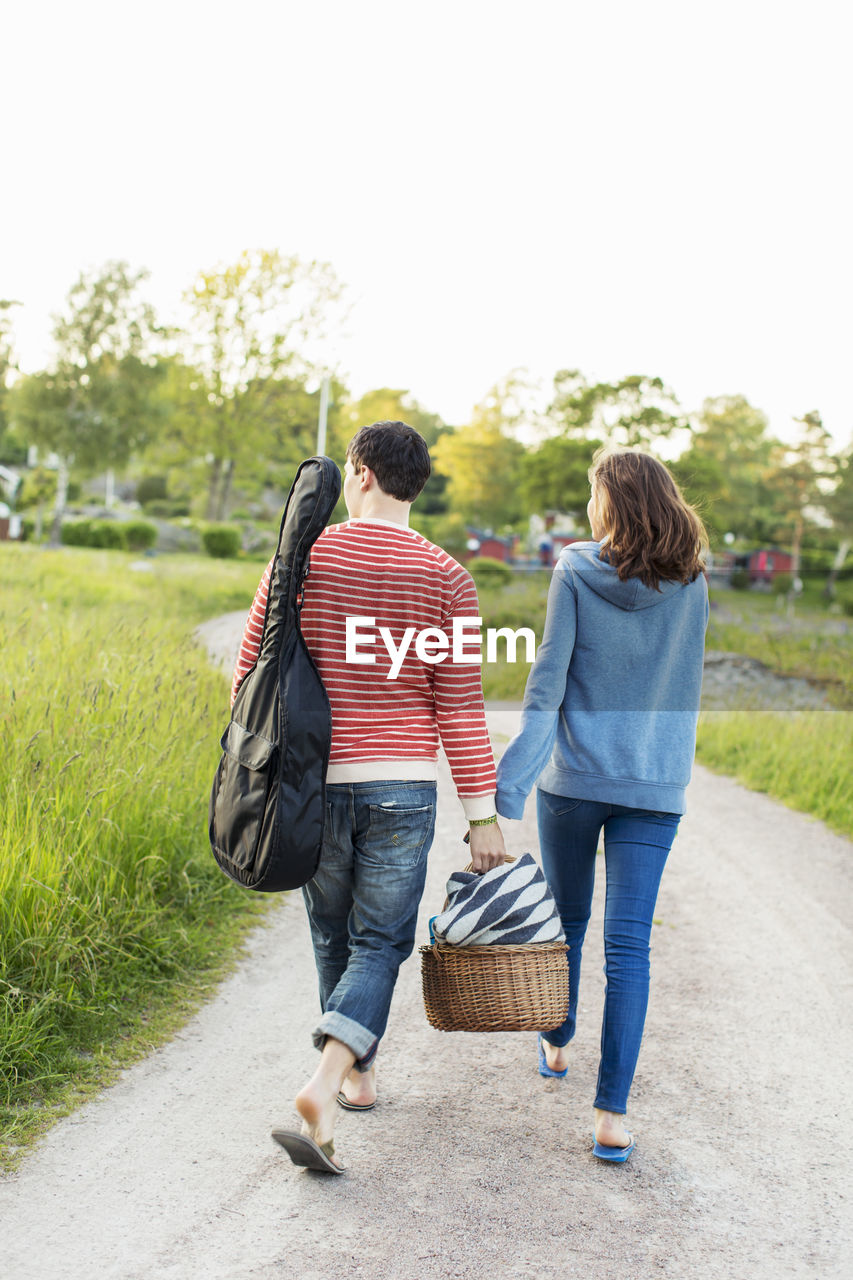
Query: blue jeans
x=636, y=845
x=363, y=904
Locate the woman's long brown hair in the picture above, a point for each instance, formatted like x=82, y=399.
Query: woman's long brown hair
x=652, y=533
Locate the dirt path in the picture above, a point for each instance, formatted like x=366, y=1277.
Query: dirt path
x=473, y=1165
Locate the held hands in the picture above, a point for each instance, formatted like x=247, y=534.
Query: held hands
x=487, y=847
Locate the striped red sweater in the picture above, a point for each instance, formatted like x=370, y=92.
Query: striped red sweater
x=384, y=728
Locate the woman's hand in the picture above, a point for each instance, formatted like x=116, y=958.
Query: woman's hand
x=487, y=847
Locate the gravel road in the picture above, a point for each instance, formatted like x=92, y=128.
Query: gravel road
x=472, y=1165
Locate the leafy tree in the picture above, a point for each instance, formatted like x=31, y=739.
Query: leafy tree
x=284, y=432
x=726, y=468
x=554, y=476
x=481, y=462
x=634, y=412
x=839, y=507
x=7, y=362
x=92, y=407
x=252, y=325
x=802, y=479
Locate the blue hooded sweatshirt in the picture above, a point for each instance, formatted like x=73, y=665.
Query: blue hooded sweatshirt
x=612, y=700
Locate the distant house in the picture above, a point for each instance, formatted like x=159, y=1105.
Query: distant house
x=482, y=542
x=764, y=564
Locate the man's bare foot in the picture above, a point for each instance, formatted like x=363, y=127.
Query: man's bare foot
x=359, y=1088
x=610, y=1129
x=317, y=1101
x=557, y=1057
x=317, y=1109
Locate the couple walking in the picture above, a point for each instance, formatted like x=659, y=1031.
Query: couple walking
x=607, y=731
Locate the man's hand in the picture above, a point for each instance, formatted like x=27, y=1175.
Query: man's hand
x=487, y=847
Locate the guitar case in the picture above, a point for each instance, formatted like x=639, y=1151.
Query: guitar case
x=268, y=802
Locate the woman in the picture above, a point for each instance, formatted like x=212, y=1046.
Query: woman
x=608, y=728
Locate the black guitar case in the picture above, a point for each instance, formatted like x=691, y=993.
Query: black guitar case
x=268, y=803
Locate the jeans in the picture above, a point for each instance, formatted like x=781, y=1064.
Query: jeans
x=363, y=904
x=636, y=845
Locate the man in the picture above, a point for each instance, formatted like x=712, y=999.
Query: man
x=393, y=695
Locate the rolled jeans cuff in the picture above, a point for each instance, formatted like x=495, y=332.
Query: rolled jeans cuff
x=358, y=1039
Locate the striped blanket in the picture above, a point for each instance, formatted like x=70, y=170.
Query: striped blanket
x=510, y=904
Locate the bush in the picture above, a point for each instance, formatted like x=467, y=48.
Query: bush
x=77, y=533
x=489, y=572
x=108, y=534
x=139, y=535
x=222, y=541
x=152, y=489
x=740, y=579
x=167, y=510
x=782, y=583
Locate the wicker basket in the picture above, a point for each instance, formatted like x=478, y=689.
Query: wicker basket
x=496, y=988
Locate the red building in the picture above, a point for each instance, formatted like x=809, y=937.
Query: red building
x=489, y=544
x=763, y=565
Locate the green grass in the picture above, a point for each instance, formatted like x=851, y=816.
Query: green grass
x=812, y=643
x=114, y=918
x=802, y=758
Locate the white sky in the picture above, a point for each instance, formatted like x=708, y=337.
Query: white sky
x=622, y=187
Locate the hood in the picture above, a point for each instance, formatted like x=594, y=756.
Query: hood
x=582, y=560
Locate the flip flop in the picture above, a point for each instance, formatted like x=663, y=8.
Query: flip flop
x=545, y=1070
x=616, y=1155
x=307, y=1153
x=344, y=1102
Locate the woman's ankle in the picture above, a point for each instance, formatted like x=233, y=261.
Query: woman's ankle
x=610, y=1128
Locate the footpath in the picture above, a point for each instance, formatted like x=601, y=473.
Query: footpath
x=472, y=1165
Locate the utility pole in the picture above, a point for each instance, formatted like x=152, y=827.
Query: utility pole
x=324, y=413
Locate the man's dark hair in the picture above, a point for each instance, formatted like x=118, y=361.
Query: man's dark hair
x=396, y=454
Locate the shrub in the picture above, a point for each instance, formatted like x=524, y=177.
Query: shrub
x=782, y=583
x=221, y=541
x=489, y=572
x=171, y=509
x=139, y=535
x=108, y=534
x=740, y=579
x=76, y=533
x=94, y=533
x=152, y=489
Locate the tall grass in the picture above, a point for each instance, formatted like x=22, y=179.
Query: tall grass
x=802, y=758
x=110, y=903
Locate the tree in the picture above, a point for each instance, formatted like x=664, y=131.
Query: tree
x=92, y=407
x=481, y=462
x=554, y=476
x=635, y=412
x=7, y=360
x=725, y=470
x=803, y=479
x=252, y=324
x=839, y=507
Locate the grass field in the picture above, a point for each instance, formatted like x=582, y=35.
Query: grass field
x=113, y=915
